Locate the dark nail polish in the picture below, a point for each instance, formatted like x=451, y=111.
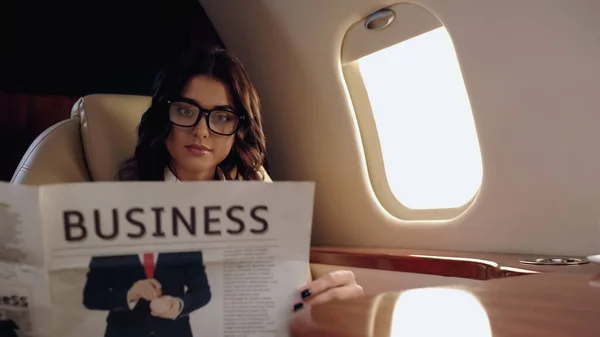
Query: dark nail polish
x=298, y=306
x=305, y=293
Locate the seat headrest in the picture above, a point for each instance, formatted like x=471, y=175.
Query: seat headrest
x=109, y=130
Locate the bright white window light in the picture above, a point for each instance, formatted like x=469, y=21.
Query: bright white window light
x=439, y=312
x=423, y=116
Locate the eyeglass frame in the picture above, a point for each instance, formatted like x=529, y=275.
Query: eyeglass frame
x=206, y=112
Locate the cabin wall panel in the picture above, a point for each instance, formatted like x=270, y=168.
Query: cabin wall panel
x=530, y=68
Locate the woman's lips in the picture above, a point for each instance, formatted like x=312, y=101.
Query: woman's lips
x=198, y=150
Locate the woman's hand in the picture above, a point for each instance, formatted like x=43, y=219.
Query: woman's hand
x=337, y=285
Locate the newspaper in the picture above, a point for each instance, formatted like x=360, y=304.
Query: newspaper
x=152, y=258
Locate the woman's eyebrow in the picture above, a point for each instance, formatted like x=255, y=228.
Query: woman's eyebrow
x=187, y=100
x=224, y=107
x=216, y=107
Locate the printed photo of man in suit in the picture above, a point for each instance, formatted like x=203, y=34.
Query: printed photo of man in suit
x=7, y=326
x=149, y=294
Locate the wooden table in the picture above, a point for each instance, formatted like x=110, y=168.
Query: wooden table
x=514, y=300
x=548, y=305
x=472, y=265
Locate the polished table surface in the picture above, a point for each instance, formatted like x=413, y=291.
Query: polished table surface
x=544, y=304
x=471, y=265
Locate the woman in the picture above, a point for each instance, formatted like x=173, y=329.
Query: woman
x=205, y=123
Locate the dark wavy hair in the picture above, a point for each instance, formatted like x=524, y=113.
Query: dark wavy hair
x=247, y=156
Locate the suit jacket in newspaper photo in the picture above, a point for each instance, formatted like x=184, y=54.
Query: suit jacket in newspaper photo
x=181, y=275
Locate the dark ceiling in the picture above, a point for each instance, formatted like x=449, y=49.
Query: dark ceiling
x=75, y=47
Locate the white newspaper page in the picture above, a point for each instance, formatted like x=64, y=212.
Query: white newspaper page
x=184, y=259
x=25, y=308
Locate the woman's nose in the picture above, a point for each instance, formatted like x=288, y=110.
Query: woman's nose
x=201, y=129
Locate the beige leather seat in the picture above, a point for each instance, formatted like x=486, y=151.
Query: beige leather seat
x=89, y=146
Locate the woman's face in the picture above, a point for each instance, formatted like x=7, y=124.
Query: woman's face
x=196, y=151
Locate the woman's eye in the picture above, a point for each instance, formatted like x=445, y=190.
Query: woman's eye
x=185, y=112
x=220, y=118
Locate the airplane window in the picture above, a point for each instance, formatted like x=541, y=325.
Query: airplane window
x=424, y=122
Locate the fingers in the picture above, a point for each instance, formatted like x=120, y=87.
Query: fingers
x=337, y=285
x=161, y=305
x=173, y=304
x=156, y=284
x=338, y=293
x=150, y=289
x=168, y=308
x=332, y=280
x=148, y=293
x=159, y=314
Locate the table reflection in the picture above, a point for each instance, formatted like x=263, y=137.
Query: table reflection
x=439, y=312
x=595, y=281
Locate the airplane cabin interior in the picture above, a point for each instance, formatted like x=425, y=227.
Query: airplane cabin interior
x=453, y=144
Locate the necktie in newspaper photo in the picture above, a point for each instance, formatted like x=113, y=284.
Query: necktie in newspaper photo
x=149, y=265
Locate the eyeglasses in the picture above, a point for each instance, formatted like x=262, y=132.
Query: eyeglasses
x=187, y=113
